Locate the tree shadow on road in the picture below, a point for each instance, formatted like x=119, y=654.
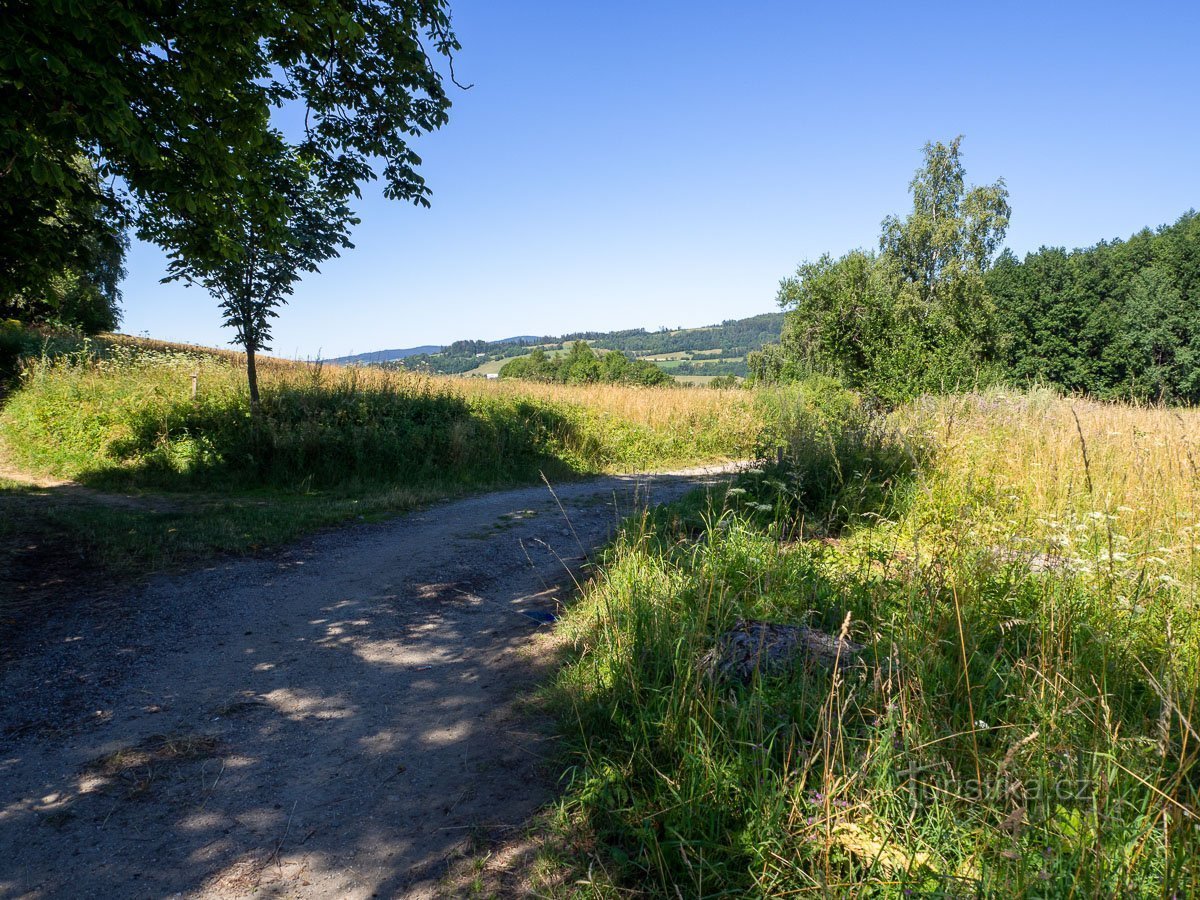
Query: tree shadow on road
x=343, y=718
x=314, y=766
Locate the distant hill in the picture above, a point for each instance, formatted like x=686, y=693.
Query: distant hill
x=375, y=357
x=382, y=356
x=690, y=354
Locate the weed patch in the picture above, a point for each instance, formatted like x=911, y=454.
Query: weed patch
x=1008, y=729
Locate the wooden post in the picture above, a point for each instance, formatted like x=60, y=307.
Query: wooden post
x=195, y=377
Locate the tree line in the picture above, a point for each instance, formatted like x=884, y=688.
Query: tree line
x=1120, y=319
x=936, y=308
x=735, y=337
x=732, y=338
x=582, y=365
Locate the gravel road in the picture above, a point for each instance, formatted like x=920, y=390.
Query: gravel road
x=335, y=720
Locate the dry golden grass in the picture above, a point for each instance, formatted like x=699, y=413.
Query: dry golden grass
x=732, y=414
x=655, y=406
x=1057, y=464
x=1024, y=720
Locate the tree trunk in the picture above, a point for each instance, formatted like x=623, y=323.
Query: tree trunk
x=252, y=375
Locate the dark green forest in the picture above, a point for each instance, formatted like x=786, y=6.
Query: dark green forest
x=1120, y=319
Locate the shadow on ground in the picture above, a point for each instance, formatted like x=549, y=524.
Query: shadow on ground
x=341, y=719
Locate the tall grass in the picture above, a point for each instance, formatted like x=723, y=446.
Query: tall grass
x=329, y=444
x=126, y=415
x=1022, y=722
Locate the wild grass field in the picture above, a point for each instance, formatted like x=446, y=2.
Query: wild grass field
x=201, y=475
x=1021, y=572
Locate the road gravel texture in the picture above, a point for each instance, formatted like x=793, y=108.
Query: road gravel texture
x=338, y=719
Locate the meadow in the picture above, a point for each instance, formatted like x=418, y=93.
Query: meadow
x=1021, y=572
x=203, y=474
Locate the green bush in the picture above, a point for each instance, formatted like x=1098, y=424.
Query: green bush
x=132, y=420
x=827, y=457
x=12, y=345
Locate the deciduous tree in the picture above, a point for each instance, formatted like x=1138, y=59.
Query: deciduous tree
x=71, y=275
x=176, y=99
x=917, y=315
x=265, y=255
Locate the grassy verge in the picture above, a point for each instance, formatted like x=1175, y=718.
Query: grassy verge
x=1022, y=572
x=159, y=477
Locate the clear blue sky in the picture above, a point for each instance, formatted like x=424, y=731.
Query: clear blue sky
x=640, y=164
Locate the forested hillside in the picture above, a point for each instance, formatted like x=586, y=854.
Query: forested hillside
x=734, y=336
x=710, y=351
x=581, y=365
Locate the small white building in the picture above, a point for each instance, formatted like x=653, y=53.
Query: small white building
x=493, y=376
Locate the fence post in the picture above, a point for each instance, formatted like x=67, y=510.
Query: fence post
x=195, y=377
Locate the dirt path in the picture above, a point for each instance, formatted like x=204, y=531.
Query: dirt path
x=334, y=721
x=72, y=490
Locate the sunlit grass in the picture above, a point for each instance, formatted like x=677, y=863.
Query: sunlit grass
x=1023, y=722
x=130, y=411
x=172, y=424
